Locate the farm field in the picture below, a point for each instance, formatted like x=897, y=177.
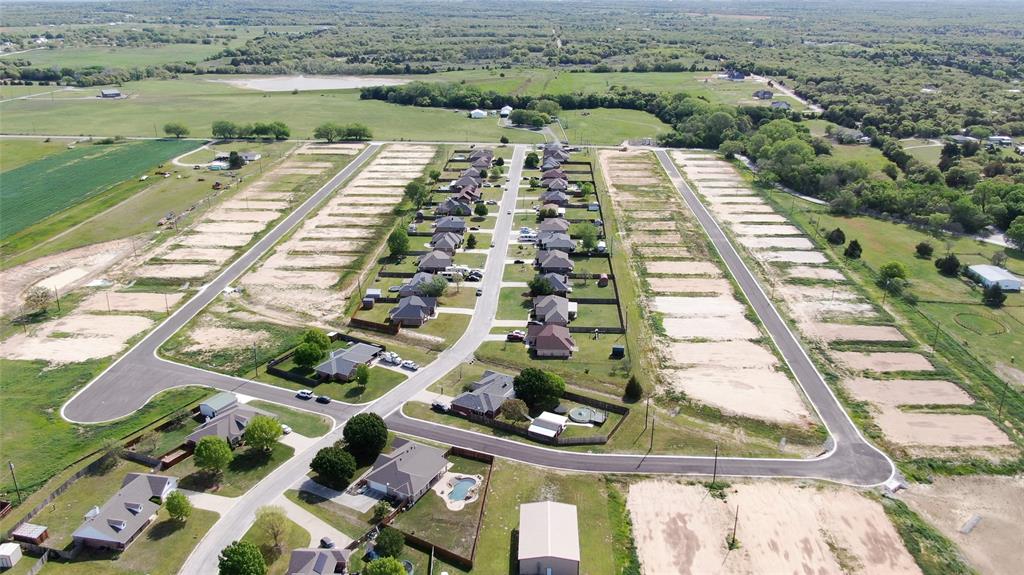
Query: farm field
x=609, y=126
x=15, y=153
x=81, y=56
x=74, y=175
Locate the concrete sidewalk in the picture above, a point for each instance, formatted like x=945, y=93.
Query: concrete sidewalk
x=317, y=527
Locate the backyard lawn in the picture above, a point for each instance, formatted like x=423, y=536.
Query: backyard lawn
x=277, y=561
x=301, y=422
x=596, y=315
x=247, y=468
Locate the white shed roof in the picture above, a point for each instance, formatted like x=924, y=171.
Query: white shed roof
x=548, y=529
x=992, y=273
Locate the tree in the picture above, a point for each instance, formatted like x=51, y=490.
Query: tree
x=534, y=182
x=891, y=170
x=318, y=338
x=836, y=237
x=892, y=271
x=280, y=130
x=223, y=130
x=845, y=203
x=381, y=510
x=384, y=566
x=549, y=107
x=435, y=287
x=262, y=433
x=176, y=129
x=417, y=192
x=307, y=354
x=634, y=391
x=212, y=455
x=356, y=132
x=587, y=189
x=480, y=210
x=948, y=265
x=366, y=435
x=587, y=234
x=994, y=296
x=327, y=131
x=499, y=161
x=853, y=250
x=334, y=467
x=241, y=558
x=178, y=506
x=362, y=375
x=1015, y=232
x=398, y=242
x=273, y=521
x=532, y=161
x=514, y=410
x=924, y=250
x=503, y=139
x=471, y=242
x=730, y=148
x=389, y=543
x=37, y=299
x=434, y=175
x=538, y=388
x=540, y=285
x=235, y=160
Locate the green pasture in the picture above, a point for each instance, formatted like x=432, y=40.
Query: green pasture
x=15, y=153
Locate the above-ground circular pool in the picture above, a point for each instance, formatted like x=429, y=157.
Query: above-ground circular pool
x=581, y=414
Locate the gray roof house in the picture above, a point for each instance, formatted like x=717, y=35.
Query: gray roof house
x=486, y=396
x=110, y=93
x=557, y=185
x=318, y=561
x=465, y=181
x=557, y=197
x=481, y=153
x=453, y=206
x=482, y=163
x=452, y=224
x=435, y=261
x=120, y=520
x=559, y=283
x=342, y=363
x=552, y=309
x=556, y=153
x=554, y=225
x=413, y=310
x=556, y=241
x=446, y=242
x=415, y=285
x=229, y=425
x=554, y=261
x=550, y=164
x=407, y=472
x=555, y=174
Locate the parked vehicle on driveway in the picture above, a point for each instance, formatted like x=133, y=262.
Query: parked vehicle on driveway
x=410, y=365
x=285, y=430
x=326, y=543
x=516, y=335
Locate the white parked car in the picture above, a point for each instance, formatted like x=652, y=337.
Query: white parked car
x=285, y=429
x=304, y=394
x=410, y=365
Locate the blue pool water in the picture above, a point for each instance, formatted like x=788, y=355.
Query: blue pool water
x=461, y=489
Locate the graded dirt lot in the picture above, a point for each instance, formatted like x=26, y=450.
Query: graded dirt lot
x=852, y=332
x=74, y=338
x=742, y=209
x=689, y=285
x=253, y=204
x=765, y=230
x=722, y=306
x=783, y=527
x=994, y=545
x=792, y=256
x=657, y=239
x=280, y=277
x=884, y=361
x=758, y=393
x=895, y=392
x=815, y=273
x=652, y=226
x=682, y=268
x=197, y=254
x=308, y=232
x=230, y=227
x=663, y=251
x=206, y=240
x=212, y=338
x=647, y=215
x=940, y=429
x=733, y=354
x=773, y=242
x=129, y=301
x=226, y=215
x=322, y=246
x=175, y=271
x=706, y=328
x=751, y=218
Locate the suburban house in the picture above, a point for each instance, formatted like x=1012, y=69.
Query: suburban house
x=468, y=195
x=115, y=525
x=556, y=241
x=342, y=363
x=764, y=94
x=554, y=225
x=446, y=242
x=557, y=197
x=556, y=151
x=988, y=275
x=318, y=561
x=415, y=285
x=554, y=261
x=557, y=185
x=550, y=341
x=505, y=111
x=485, y=396
x=548, y=425
x=482, y=163
x=477, y=114
x=221, y=402
x=110, y=93
x=229, y=425
x=407, y=472
x=465, y=181
x=434, y=261
x=556, y=174
x=550, y=164
x=549, y=539
x=452, y=224
x=481, y=153
x=559, y=283
x=780, y=105
x=413, y=311
x=453, y=206
x=553, y=309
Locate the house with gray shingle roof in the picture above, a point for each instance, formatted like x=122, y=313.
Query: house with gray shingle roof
x=120, y=520
x=550, y=341
x=553, y=309
x=466, y=181
x=453, y=206
x=556, y=241
x=559, y=283
x=415, y=285
x=550, y=164
x=554, y=261
x=228, y=425
x=318, y=561
x=446, y=242
x=486, y=396
x=554, y=225
x=557, y=197
x=433, y=262
x=341, y=365
x=408, y=472
x=413, y=311
x=452, y=224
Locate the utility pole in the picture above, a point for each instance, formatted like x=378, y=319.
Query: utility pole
x=15, y=477
x=651, y=448
x=647, y=412
x=735, y=522
x=255, y=362
x=714, y=473
x=106, y=293
x=167, y=308
x=56, y=296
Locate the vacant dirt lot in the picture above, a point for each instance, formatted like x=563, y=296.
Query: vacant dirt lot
x=783, y=528
x=742, y=209
x=814, y=273
x=940, y=429
x=895, y=392
x=212, y=338
x=683, y=268
x=884, y=361
x=850, y=332
x=722, y=306
x=772, y=242
x=994, y=545
x=657, y=239
x=758, y=393
x=663, y=251
x=197, y=254
x=792, y=256
x=765, y=230
x=751, y=218
x=733, y=354
x=120, y=301
x=207, y=240
x=689, y=285
x=74, y=338
x=249, y=228
x=655, y=226
x=175, y=271
x=710, y=328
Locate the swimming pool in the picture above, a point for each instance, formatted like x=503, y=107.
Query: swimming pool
x=461, y=488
